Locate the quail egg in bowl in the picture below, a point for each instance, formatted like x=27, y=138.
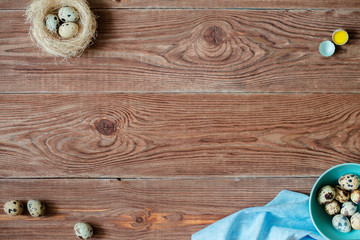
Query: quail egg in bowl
x=334, y=224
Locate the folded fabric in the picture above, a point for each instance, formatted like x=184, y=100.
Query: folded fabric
x=286, y=217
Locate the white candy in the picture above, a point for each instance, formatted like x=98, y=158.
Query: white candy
x=68, y=30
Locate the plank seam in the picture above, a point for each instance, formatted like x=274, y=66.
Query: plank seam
x=176, y=92
x=243, y=9
x=236, y=178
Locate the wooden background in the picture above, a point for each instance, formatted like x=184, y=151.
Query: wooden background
x=180, y=113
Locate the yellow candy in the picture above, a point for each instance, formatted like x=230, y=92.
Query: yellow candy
x=340, y=37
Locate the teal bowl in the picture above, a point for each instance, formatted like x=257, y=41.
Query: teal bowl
x=321, y=220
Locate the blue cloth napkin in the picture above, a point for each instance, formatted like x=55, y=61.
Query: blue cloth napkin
x=286, y=217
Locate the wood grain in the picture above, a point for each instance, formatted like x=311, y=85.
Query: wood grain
x=282, y=4
x=156, y=135
x=135, y=209
x=195, y=51
x=180, y=114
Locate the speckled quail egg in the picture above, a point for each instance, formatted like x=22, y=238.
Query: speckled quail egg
x=342, y=195
x=349, y=182
x=83, y=230
x=348, y=209
x=355, y=221
x=52, y=23
x=326, y=194
x=68, y=14
x=341, y=223
x=332, y=208
x=68, y=30
x=36, y=208
x=355, y=196
x=13, y=207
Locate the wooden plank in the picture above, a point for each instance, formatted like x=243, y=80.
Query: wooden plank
x=283, y=4
x=156, y=135
x=135, y=209
x=195, y=51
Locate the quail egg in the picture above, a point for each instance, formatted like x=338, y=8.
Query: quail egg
x=13, y=208
x=83, y=230
x=341, y=223
x=52, y=23
x=68, y=30
x=68, y=14
x=36, y=208
x=355, y=196
x=332, y=208
x=349, y=182
x=326, y=194
x=348, y=209
x=355, y=221
x=342, y=195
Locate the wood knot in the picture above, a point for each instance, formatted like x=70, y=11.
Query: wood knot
x=216, y=45
x=139, y=220
x=105, y=127
x=214, y=35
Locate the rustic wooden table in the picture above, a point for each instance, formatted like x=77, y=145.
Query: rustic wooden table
x=180, y=113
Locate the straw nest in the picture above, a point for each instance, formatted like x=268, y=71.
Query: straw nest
x=53, y=44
